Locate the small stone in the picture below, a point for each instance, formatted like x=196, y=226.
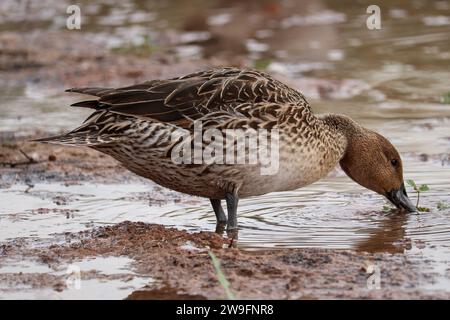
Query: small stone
x=423, y=157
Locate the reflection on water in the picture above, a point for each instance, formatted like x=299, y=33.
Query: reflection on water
x=391, y=80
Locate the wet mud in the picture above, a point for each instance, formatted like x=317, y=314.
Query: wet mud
x=181, y=271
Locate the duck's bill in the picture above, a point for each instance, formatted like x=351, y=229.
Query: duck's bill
x=400, y=199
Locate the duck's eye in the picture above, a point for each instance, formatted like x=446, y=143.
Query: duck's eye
x=394, y=162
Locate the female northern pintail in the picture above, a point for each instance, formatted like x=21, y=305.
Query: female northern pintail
x=136, y=125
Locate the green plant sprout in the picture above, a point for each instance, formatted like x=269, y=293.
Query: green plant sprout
x=262, y=64
x=418, y=190
x=446, y=98
x=144, y=48
x=442, y=205
x=223, y=281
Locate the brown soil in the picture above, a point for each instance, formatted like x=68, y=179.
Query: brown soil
x=22, y=160
x=187, y=273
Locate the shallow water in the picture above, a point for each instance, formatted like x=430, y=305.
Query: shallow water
x=392, y=80
x=114, y=280
x=332, y=213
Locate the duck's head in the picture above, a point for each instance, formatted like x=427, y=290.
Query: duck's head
x=373, y=162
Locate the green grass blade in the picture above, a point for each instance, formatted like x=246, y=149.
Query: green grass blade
x=221, y=277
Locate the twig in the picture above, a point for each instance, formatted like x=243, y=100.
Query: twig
x=418, y=197
x=15, y=164
x=29, y=161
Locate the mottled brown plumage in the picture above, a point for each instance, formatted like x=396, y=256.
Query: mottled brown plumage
x=134, y=125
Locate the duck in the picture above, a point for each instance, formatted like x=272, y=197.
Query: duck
x=145, y=124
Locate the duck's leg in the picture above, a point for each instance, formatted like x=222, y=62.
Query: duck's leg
x=221, y=218
x=232, y=200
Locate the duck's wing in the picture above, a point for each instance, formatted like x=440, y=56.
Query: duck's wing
x=198, y=95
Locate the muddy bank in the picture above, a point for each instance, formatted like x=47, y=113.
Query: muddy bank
x=179, y=263
x=43, y=60
x=22, y=160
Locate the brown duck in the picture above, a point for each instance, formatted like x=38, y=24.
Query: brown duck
x=135, y=125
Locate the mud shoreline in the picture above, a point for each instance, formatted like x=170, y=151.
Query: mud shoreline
x=178, y=260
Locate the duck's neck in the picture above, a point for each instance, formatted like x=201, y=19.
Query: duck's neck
x=342, y=123
x=344, y=129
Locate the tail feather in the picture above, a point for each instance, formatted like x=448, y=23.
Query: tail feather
x=79, y=139
x=100, y=128
x=92, y=104
x=92, y=91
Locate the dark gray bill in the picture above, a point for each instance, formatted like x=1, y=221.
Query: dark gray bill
x=400, y=199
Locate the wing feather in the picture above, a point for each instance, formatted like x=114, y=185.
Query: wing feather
x=193, y=96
